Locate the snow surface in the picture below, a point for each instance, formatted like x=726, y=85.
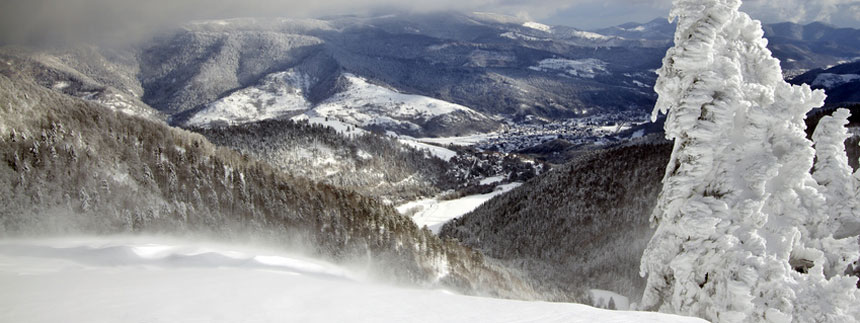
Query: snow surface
x=538, y=26
x=145, y=279
x=277, y=95
x=515, y=36
x=829, y=80
x=459, y=141
x=590, y=35
x=340, y=127
x=492, y=180
x=350, y=129
x=434, y=213
x=364, y=104
x=443, y=153
x=284, y=94
x=586, y=68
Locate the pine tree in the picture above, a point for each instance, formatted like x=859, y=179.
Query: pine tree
x=737, y=235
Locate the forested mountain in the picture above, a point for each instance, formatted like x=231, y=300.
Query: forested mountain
x=75, y=167
x=422, y=75
x=495, y=66
x=580, y=226
x=585, y=224
x=98, y=75
x=366, y=162
x=841, y=82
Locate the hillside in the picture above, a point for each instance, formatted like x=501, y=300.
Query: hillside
x=388, y=168
x=585, y=224
x=76, y=167
x=841, y=82
x=580, y=226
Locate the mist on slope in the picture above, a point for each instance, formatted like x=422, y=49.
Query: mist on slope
x=158, y=279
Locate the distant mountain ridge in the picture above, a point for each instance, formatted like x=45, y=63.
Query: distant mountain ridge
x=501, y=67
x=840, y=82
x=798, y=47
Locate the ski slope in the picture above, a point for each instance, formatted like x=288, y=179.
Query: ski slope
x=145, y=279
x=434, y=213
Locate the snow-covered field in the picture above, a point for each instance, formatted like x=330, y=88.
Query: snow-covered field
x=537, y=26
x=361, y=103
x=434, y=213
x=441, y=152
x=364, y=104
x=460, y=141
x=829, y=80
x=351, y=130
x=340, y=127
x=145, y=279
x=587, y=68
x=277, y=95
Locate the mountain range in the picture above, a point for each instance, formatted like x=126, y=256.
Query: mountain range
x=421, y=75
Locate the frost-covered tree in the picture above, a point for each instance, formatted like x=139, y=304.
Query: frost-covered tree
x=738, y=220
x=832, y=171
x=834, y=176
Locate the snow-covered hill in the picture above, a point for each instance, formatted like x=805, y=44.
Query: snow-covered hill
x=277, y=95
x=358, y=103
x=841, y=82
x=369, y=105
x=145, y=279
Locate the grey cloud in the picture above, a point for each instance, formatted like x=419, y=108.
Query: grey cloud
x=118, y=20
x=35, y=21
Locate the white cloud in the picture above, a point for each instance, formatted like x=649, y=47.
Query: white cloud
x=839, y=12
x=72, y=19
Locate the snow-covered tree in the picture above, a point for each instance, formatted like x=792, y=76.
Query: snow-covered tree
x=738, y=221
x=834, y=176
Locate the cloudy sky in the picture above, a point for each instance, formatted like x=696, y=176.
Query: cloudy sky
x=602, y=13
x=22, y=20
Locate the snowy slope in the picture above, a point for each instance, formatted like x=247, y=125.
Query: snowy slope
x=340, y=127
x=277, y=95
x=434, y=213
x=351, y=130
x=443, y=153
x=150, y=280
x=537, y=26
x=829, y=80
x=365, y=104
x=585, y=68
x=359, y=103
